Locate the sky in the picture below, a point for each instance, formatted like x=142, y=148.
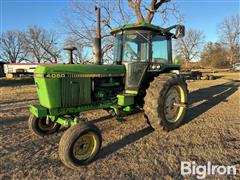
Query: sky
x=199, y=14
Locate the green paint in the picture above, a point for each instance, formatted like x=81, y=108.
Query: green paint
x=173, y=66
x=127, y=109
x=49, y=92
x=38, y=110
x=71, y=110
x=75, y=92
x=79, y=69
x=131, y=92
x=125, y=99
x=63, y=122
x=109, y=84
x=140, y=26
x=68, y=122
x=176, y=61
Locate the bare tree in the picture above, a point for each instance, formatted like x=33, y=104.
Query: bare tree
x=145, y=12
x=214, y=55
x=190, y=46
x=41, y=44
x=229, y=32
x=11, y=49
x=82, y=27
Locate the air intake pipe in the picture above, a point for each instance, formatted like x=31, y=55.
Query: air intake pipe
x=97, y=40
x=70, y=49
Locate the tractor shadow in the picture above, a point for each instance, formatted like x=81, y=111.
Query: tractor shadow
x=7, y=121
x=18, y=101
x=129, y=139
x=101, y=119
x=212, y=95
x=16, y=82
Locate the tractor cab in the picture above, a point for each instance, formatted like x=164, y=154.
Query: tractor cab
x=145, y=50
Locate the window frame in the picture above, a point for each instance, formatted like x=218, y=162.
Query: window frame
x=149, y=45
x=120, y=48
x=169, y=47
x=151, y=34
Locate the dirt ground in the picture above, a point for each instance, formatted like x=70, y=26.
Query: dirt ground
x=131, y=149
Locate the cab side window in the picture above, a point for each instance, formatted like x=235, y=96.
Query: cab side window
x=161, y=48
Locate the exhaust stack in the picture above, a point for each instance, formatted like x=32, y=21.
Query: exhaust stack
x=97, y=39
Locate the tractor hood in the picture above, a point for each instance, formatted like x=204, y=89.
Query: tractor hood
x=92, y=70
x=69, y=85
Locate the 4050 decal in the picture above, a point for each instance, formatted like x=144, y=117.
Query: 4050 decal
x=55, y=75
x=60, y=75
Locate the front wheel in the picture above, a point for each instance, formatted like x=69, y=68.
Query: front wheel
x=166, y=102
x=79, y=145
x=42, y=126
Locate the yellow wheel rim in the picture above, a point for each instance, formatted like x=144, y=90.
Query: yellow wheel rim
x=85, y=147
x=44, y=125
x=175, y=95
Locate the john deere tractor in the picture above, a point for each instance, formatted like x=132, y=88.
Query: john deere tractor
x=141, y=78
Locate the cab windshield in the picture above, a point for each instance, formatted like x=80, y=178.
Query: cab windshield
x=133, y=46
x=136, y=47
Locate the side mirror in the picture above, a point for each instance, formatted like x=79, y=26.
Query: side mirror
x=180, y=31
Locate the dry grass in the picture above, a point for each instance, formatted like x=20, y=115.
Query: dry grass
x=130, y=149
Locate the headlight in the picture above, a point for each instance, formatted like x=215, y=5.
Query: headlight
x=155, y=67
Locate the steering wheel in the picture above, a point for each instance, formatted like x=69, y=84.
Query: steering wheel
x=130, y=56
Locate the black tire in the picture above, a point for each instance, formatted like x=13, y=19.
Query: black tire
x=198, y=77
x=211, y=77
x=39, y=126
x=157, y=95
x=69, y=140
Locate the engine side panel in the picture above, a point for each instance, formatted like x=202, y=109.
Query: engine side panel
x=75, y=91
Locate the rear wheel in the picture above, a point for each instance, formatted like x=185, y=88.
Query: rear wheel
x=42, y=126
x=166, y=101
x=79, y=145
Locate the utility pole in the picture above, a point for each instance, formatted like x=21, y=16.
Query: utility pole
x=97, y=39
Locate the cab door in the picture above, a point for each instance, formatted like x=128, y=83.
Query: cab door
x=135, y=58
x=134, y=74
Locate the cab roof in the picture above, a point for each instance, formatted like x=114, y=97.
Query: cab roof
x=141, y=26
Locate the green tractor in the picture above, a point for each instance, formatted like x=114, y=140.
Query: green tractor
x=141, y=78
